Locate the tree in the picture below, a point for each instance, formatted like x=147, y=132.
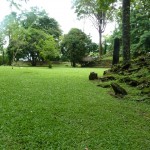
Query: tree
x=49, y=26
x=126, y=30
x=40, y=20
x=99, y=11
x=11, y=30
x=40, y=46
x=16, y=45
x=31, y=17
x=75, y=45
x=33, y=44
x=140, y=25
x=28, y=39
x=2, y=42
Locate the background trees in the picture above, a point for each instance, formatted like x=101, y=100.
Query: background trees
x=126, y=30
x=139, y=28
x=99, y=12
x=19, y=29
x=140, y=25
x=75, y=45
x=41, y=46
x=31, y=35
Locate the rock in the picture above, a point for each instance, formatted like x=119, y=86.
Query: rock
x=129, y=81
x=115, y=68
x=143, y=99
x=107, y=72
x=104, y=85
x=107, y=78
x=121, y=73
x=139, y=76
x=145, y=91
x=134, y=70
x=118, y=89
x=134, y=83
x=142, y=58
x=110, y=77
x=125, y=79
x=93, y=76
x=126, y=66
x=145, y=81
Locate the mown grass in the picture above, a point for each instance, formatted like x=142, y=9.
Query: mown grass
x=60, y=109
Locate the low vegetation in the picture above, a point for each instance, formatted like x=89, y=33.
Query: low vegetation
x=60, y=108
x=135, y=78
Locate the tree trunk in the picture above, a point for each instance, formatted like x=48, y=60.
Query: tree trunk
x=126, y=31
x=100, y=42
x=13, y=59
x=73, y=64
x=33, y=60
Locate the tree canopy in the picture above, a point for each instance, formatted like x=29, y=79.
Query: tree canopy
x=31, y=35
x=99, y=12
x=75, y=45
x=139, y=27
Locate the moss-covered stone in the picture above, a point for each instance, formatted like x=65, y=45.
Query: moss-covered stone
x=146, y=91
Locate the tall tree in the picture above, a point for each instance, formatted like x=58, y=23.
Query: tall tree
x=49, y=26
x=27, y=39
x=30, y=17
x=40, y=20
x=14, y=34
x=16, y=44
x=99, y=11
x=126, y=30
x=41, y=46
x=75, y=45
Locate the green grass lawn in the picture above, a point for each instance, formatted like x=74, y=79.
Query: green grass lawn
x=60, y=109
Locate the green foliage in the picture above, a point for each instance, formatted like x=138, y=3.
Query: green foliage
x=41, y=45
x=39, y=19
x=93, y=47
x=45, y=108
x=92, y=7
x=32, y=35
x=75, y=45
x=145, y=41
x=140, y=25
x=49, y=26
x=1, y=59
x=99, y=12
x=143, y=46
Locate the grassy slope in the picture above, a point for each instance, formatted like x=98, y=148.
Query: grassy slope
x=59, y=109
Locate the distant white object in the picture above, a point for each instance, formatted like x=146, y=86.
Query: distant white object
x=88, y=59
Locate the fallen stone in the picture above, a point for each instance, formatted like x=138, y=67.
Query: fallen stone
x=118, y=89
x=126, y=66
x=107, y=78
x=145, y=91
x=93, y=76
x=104, y=85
